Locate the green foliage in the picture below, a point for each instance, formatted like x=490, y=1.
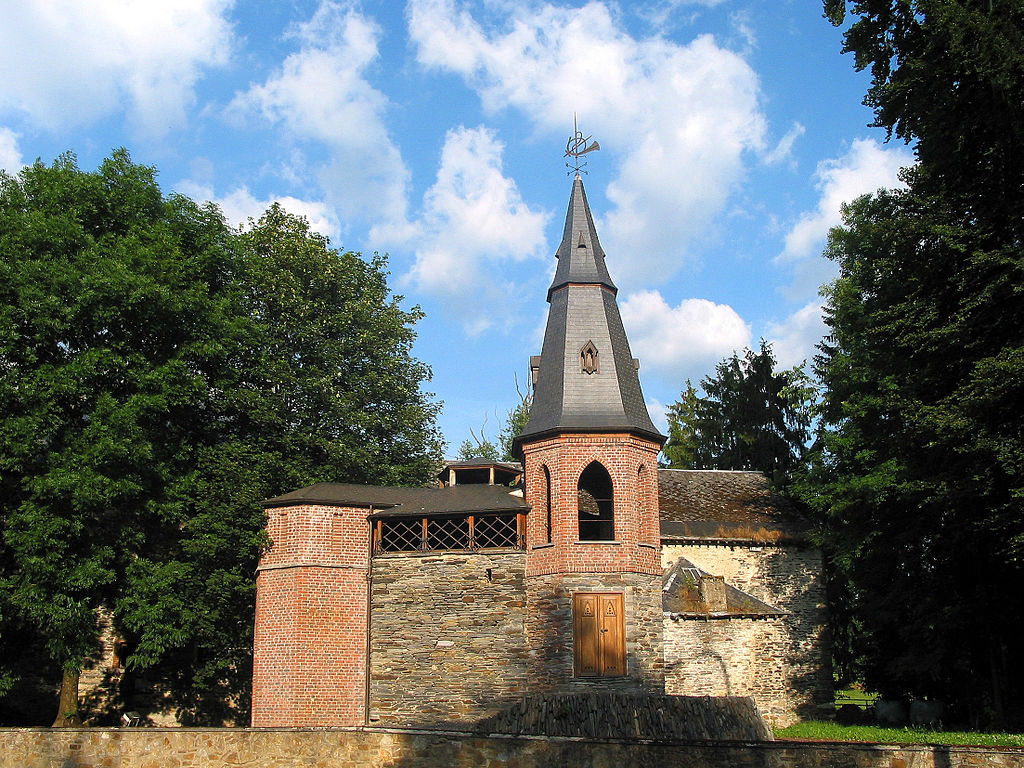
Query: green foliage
x=918, y=476
x=830, y=731
x=160, y=375
x=682, y=448
x=750, y=417
x=478, y=449
x=515, y=422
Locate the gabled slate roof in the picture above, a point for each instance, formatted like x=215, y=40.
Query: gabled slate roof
x=680, y=596
x=389, y=501
x=569, y=396
x=723, y=504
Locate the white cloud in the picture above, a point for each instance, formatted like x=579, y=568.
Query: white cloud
x=240, y=205
x=70, y=62
x=675, y=119
x=784, y=149
x=659, y=414
x=10, y=155
x=473, y=216
x=321, y=93
x=685, y=341
x=866, y=167
x=794, y=339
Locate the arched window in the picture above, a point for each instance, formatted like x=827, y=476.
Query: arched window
x=596, y=511
x=643, y=498
x=547, y=504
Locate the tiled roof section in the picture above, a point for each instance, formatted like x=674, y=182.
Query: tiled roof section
x=584, y=312
x=512, y=466
x=580, y=256
x=680, y=596
x=406, y=501
x=720, y=504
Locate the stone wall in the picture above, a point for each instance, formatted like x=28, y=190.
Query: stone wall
x=783, y=663
x=550, y=631
x=448, y=638
x=378, y=748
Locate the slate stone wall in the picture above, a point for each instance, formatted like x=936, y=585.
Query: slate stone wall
x=549, y=630
x=782, y=662
x=378, y=748
x=448, y=637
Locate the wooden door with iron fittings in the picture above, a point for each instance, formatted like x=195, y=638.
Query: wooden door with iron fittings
x=599, y=634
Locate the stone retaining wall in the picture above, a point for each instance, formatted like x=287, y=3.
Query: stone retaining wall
x=379, y=748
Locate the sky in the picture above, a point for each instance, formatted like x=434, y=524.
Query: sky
x=730, y=131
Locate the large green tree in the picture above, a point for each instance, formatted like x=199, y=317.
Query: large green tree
x=160, y=374
x=918, y=479
x=751, y=416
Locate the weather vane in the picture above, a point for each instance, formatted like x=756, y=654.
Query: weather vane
x=576, y=146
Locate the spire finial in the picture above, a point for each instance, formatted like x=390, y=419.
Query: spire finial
x=576, y=146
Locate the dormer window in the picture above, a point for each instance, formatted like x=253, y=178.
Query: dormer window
x=588, y=358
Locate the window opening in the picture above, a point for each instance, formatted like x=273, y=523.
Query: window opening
x=596, y=509
x=440, y=534
x=547, y=504
x=589, y=362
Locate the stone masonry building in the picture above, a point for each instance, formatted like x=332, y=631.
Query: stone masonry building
x=584, y=567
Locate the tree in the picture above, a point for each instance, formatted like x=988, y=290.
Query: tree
x=160, y=374
x=478, y=448
x=681, y=449
x=515, y=420
x=918, y=477
x=751, y=417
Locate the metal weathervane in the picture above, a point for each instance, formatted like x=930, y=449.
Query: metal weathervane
x=576, y=146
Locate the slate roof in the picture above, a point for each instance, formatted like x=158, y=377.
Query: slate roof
x=680, y=596
x=583, y=309
x=387, y=501
x=725, y=505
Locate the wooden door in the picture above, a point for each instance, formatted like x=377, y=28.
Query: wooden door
x=599, y=634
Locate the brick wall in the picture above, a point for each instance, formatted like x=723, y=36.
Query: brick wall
x=782, y=662
x=309, y=664
x=448, y=636
x=632, y=464
x=378, y=748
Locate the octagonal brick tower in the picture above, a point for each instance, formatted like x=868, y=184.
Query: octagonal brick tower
x=593, y=570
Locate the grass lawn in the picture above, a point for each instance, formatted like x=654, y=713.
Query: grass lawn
x=826, y=731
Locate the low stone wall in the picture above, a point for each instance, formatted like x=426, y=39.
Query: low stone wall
x=380, y=748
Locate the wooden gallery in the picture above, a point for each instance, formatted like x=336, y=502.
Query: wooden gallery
x=585, y=567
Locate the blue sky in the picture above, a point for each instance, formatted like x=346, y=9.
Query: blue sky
x=433, y=130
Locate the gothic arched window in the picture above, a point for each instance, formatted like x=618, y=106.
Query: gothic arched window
x=588, y=358
x=596, y=509
x=547, y=504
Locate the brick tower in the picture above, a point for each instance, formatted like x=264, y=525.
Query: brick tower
x=310, y=649
x=593, y=569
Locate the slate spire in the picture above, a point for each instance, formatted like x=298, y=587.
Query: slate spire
x=586, y=379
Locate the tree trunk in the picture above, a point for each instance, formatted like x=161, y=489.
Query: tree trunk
x=67, y=711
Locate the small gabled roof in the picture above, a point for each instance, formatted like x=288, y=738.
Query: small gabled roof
x=389, y=501
x=680, y=597
x=725, y=505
